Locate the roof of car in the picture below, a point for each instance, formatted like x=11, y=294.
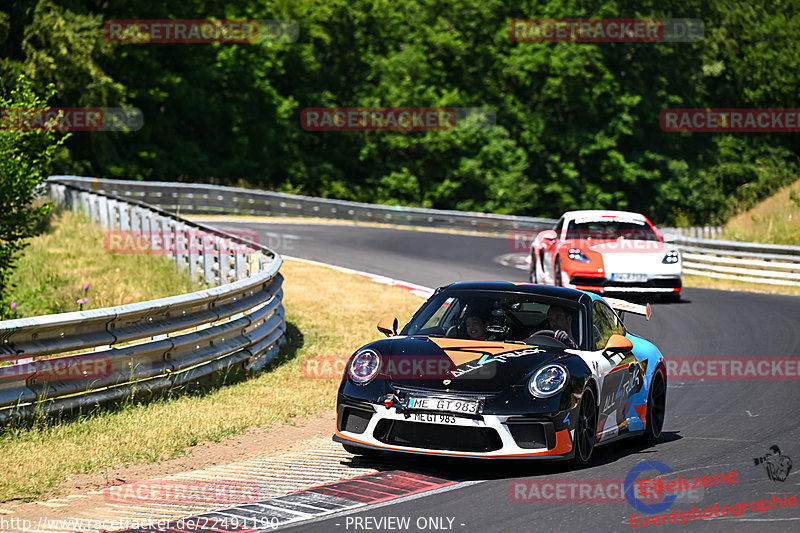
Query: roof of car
x=602, y=213
x=512, y=286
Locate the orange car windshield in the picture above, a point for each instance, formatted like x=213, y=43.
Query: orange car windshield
x=611, y=230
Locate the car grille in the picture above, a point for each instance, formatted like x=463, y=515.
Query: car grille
x=437, y=437
x=354, y=419
x=530, y=434
x=658, y=283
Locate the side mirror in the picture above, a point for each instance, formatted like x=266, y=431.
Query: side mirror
x=547, y=234
x=388, y=326
x=668, y=237
x=617, y=344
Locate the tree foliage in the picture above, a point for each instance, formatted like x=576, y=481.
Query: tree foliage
x=25, y=158
x=577, y=124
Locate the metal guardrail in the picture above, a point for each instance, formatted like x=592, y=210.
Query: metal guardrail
x=696, y=232
x=199, y=199
x=146, y=346
x=703, y=256
x=743, y=261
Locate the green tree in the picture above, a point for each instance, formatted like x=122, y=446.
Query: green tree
x=25, y=158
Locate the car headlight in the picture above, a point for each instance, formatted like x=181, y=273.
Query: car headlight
x=671, y=257
x=548, y=381
x=577, y=255
x=364, y=366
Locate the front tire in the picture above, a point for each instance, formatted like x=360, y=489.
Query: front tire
x=656, y=408
x=364, y=452
x=585, y=429
x=533, y=270
x=557, y=274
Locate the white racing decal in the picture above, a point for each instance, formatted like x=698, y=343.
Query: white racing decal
x=489, y=358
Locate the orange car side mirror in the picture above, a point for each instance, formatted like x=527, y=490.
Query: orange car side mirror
x=548, y=234
x=617, y=344
x=388, y=326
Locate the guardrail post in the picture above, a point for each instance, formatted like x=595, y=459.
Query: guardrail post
x=134, y=221
x=113, y=222
x=124, y=217
x=93, y=213
x=82, y=200
x=192, y=252
x=76, y=205
x=147, y=228
x=240, y=265
x=209, y=251
x=223, y=253
x=159, y=235
x=103, y=208
x=180, y=244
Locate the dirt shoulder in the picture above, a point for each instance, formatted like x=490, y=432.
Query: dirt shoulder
x=253, y=443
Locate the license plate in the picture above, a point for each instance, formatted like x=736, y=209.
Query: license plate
x=469, y=407
x=629, y=277
x=433, y=418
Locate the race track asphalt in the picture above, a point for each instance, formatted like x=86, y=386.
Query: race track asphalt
x=712, y=426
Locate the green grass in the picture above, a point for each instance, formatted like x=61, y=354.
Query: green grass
x=330, y=315
x=55, y=267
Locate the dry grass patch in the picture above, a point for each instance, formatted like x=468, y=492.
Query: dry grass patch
x=776, y=220
x=333, y=312
x=54, y=268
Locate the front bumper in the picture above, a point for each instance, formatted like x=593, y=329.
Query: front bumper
x=663, y=284
x=620, y=273
x=486, y=436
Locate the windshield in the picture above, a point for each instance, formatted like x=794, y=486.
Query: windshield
x=611, y=229
x=496, y=316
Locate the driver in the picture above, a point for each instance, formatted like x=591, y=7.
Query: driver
x=476, y=328
x=561, y=323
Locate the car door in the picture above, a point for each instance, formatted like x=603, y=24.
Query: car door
x=548, y=253
x=622, y=375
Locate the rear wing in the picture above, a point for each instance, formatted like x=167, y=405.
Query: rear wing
x=621, y=306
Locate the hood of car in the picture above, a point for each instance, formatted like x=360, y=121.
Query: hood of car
x=629, y=246
x=459, y=364
x=619, y=246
